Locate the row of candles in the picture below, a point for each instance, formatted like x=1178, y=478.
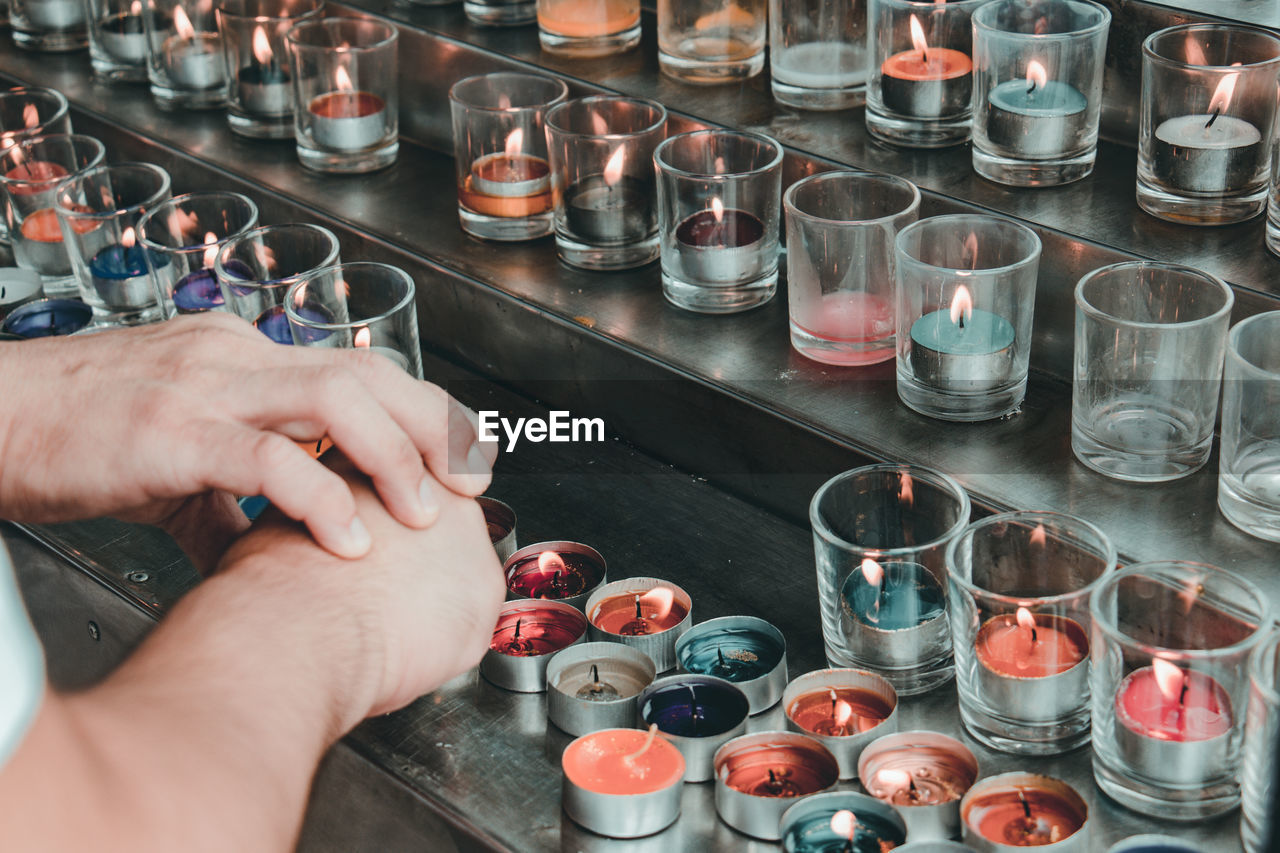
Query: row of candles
x=640, y=735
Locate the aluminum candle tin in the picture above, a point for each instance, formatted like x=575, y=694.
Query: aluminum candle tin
x=810, y=820
x=846, y=748
x=1153, y=844
x=1046, y=699
x=938, y=763
x=798, y=764
x=587, y=570
x=660, y=646
x=720, y=706
x=934, y=847
x=607, y=809
x=1181, y=763
x=1039, y=792
x=623, y=673
x=738, y=649
x=501, y=521
x=548, y=626
x=899, y=647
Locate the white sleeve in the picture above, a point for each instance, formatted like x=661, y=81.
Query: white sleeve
x=21, y=664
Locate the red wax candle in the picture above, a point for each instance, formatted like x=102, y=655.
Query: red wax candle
x=42, y=226
x=1027, y=645
x=720, y=228
x=554, y=575
x=849, y=317
x=347, y=105
x=634, y=614
x=778, y=771
x=623, y=761
x=1024, y=816
x=1165, y=702
x=935, y=63
x=839, y=711
x=41, y=173
x=532, y=633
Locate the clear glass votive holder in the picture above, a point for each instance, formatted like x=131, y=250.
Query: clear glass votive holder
x=718, y=218
x=29, y=173
x=1170, y=643
x=1258, y=778
x=1149, y=345
x=357, y=306
x=1207, y=109
x=181, y=239
x=711, y=41
x=919, y=92
x=99, y=211
x=54, y=26
x=601, y=155
x=347, y=115
x=27, y=111
x=818, y=53
x=500, y=147
x=501, y=13
x=588, y=28
x=1019, y=586
x=257, y=268
x=117, y=40
x=259, y=89
x=966, y=303
x=880, y=535
x=185, y=62
x=841, y=228
x=1249, y=458
x=1037, y=75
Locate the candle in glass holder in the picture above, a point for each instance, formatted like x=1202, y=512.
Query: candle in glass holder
x=118, y=273
x=263, y=83
x=346, y=119
x=850, y=317
x=587, y=18
x=1025, y=810
x=123, y=36
x=622, y=783
x=192, y=60
x=1033, y=667
x=962, y=348
x=922, y=774
x=721, y=245
x=563, y=571
x=198, y=291
x=609, y=208
x=510, y=183
x=1036, y=118
x=54, y=14
x=926, y=82
x=821, y=65
x=1212, y=153
x=893, y=612
x=759, y=775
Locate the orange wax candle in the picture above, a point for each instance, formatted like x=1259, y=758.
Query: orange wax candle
x=839, y=711
x=926, y=82
x=41, y=173
x=635, y=614
x=1031, y=646
x=623, y=762
x=510, y=186
x=1024, y=816
x=1166, y=703
x=587, y=18
x=42, y=226
x=936, y=63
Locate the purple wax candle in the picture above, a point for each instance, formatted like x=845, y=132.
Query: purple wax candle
x=275, y=325
x=196, y=292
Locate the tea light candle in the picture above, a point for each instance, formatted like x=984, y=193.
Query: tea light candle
x=42, y=247
x=851, y=317
x=604, y=212
x=759, y=775
x=347, y=120
x=1153, y=844
x=594, y=686
x=962, y=348
x=893, y=611
x=119, y=276
x=1210, y=153
x=923, y=774
x=123, y=37
x=1174, y=725
x=926, y=82
x=192, y=60
x=1036, y=118
x=263, y=84
x=275, y=324
x=501, y=522
x=197, y=292
x=721, y=245
x=1033, y=667
x=41, y=175
x=587, y=18
x=18, y=286
x=697, y=713
x=841, y=822
x=527, y=634
x=845, y=709
x=622, y=783
x=645, y=613
x=54, y=14
x=744, y=650
x=560, y=570
x=1010, y=811
x=45, y=317
x=821, y=65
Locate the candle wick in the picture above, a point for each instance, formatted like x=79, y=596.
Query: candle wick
x=1033, y=636
x=1026, y=807
x=848, y=846
x=1182, y=697
x=924, y=56
x=693, y=709
x=648, y=742
x=1032, y=87
x=517, y=634
x=960, y=322
x=1208, y=124
x=319, y=444
x=639, y=614
x=595, y=674
x=720, y=656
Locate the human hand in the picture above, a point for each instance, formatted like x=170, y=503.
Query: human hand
x=162, y=424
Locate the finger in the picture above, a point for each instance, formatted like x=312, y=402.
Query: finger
x=247, y=461
x=488, y=448
x=204, y=527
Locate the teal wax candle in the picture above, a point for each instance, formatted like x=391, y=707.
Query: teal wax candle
x=893, y=596
x=965, y=350
x=1037, y=118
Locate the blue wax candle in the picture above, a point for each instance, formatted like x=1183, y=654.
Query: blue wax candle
x=46, y=317
x=120, y=278
x=815, y=835
x=973, y=352
x=117, y=261
x=906, y=596
x=275, y=324
x=197, y=292
x=695, y=709
x=734, y=654
x=1037, y=119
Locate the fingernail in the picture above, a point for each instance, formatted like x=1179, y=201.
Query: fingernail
x=356, y=540
x=427, y=504
x=477, y=464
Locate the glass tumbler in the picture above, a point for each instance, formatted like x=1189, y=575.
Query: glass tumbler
x=185, y=63
x=117, y=40
x=29, y=173
x=27, y=111
x=966, y=302
x=1019, y=585
x=53, y=26
x=880, y=535
x=501, y=13
x=818, y=53
x=257, y=268
x=346, y=90
x=718, y=217
x=1207, y=112
x=1170, y=645
x=500, y=147
x=1149, y=346
x=1249, y=459
x=1258, y=827
x=360, y=305
x=919, y=92
x=99, y=212
x=1037, y=80
x=841, y=228
x=601, y=155
x=588, y=28
x=711, y=41
x=260, y=91
x=181, y=239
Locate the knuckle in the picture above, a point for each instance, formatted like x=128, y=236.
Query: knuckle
x=273, y=451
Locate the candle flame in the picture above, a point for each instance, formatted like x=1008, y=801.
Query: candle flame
x=1191, y=591
x=1038, y=536
x=182, y=25
x=266, y=257
x=961, y=306
x=342, y=80
x=893, y=780
x=613, y=168
x=262, y=47
x=841, y=713
x=718, y=167
x=1041, y=26
x=136, y=7
x=1195, y=53
x=872, y=571
x=661, y=599
x=128, y=238
x=906, y=489
x=970, y=251
x=210, y=240
x=17, y=155
x=363, y=337
x=598, y=124
x=30, y=116
x=1169, y=678
x=1036, y=76
x=717, y=210
x=844, y=824
x=515, y=142
x=549, y=562
x=1026, y=620
x=917, y=37
x=1222, y=95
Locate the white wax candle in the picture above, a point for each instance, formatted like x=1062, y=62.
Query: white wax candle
x=821, y=65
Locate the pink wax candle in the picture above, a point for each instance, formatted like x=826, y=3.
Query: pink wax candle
x=848, y=317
